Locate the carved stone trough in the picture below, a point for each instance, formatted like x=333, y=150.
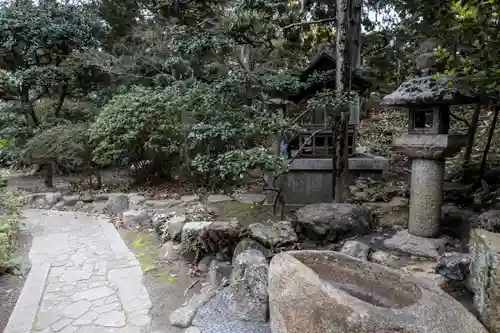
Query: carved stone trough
x=329, y=292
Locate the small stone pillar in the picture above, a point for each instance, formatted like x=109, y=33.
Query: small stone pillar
x=428, y=142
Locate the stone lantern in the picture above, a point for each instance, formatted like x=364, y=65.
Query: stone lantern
x=428, y=99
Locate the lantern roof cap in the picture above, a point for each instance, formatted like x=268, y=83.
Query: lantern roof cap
x=428, y=90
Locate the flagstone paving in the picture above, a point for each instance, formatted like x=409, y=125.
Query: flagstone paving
x=83, y=280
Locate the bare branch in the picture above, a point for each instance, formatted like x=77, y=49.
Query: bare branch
x=454, y=116
x=325, y=20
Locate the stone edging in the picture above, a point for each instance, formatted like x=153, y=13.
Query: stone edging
x=24, y=313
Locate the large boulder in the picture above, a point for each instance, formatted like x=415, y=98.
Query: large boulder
x=326, y=291
x=334, y=221
x=484, y=279
x=248, y=299
x=273, y=234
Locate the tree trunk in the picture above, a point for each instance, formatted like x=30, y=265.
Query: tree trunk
x=339, y=135
x=470, y=135
x=48, y=175
x=488, y=142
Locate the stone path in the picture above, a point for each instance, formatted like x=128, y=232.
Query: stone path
x=84, y=279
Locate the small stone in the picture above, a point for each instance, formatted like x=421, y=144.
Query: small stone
x=356, y=249
x=250, y=198
x=79, y=205
x=248, y=244
x=111, y=319
x=52, y=198
x=136, y=199
x=204, y=264
x=70, y=200
x=489, y=220
x=190, y=198
x=136, y=217
x=273, y=234
x=117, y=204
x=192, y=329
x=166, y=203
x=219, y=271
x=216, y=198
x=175, y=225
x=454, y=266
x=182, y=317
x=59, y=205
x=198, y=300
x=169, y=251
x=87, y=196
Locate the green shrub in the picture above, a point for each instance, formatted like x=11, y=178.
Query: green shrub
x=67, y=145
x=141, y=124
x=10, y=221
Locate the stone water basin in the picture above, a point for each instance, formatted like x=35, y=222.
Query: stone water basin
x=329, y=292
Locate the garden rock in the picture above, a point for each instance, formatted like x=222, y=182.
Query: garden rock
x=326, y=291
x=334, y=221
x=250, y=198
x=190, y=198
x=489, y=220
x=183, y=316
x=249, y=297
x=385, y=258
x=215, y=198
x=192, y=329
x=175, y=225
x=87, y=196
x=167, y=203
x=52, y=198
x=356, y=249
x=219, y=271
x=204, y=264
x=70, y=200
x=390, y=214
x=484, y=278
x=135, y=218
x=191, y=235
x=136, y=199
x=454, y=266
x=221, y=237
x=170, y=251
x=117, y=204
x=250, y=244
x=79, y=205
x=60, y=205
x=273, y=234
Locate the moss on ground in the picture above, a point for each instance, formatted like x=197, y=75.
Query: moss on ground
x=246, y=214
x=146, y=247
